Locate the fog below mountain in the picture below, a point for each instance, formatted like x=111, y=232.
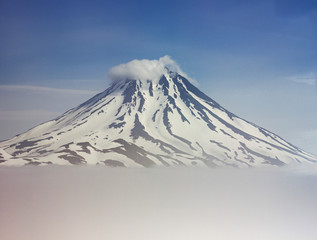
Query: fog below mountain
x=160, y=203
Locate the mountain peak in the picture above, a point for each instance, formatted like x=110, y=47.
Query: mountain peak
x=151, y=115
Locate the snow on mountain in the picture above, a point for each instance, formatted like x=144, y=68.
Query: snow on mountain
x=151, y=115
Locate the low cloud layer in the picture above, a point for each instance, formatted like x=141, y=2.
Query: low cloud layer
x=45, y=89
x=146, y=69
x=164, y=203
x=308, y=78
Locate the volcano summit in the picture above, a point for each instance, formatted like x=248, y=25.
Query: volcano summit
x=151, y=115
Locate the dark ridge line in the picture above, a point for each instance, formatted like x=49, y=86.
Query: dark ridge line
x=113, y=163
x=219, y=144
x=172, y=101
x=67, y=145
x=42, y=152
x=250, y=158
x=159, y=157
x=206, y=119
x=187, y=99
x=23, y=146
x=34, y=163
x=227, y=155
x=209, y=161
x=225, y=133
x=297, y=160
x=180, y=163
x=142, y=100
x=139, y=131
x=174, y=87
x=228, y=125
x=165, y=85
x=268, y=134
x=121, y=118
x=72, y=157
x=150, y=88
x=191, y=88
x=229, y=114
x=200, y=107
x=235, y=153
x=84, y=148
x=168, y=127
x=117, y=125
x=88, y=103
x=119, y=110
x=286, y=150
x=129, y=91
x=134, y=152
x=139, y=86
x=241, y=161
x=153, y=118
x=191, y=110
x=79, y=124
x=265, y=132
x=272, y=161
x=102, y=106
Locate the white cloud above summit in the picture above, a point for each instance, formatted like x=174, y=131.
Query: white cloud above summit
x=146, y=69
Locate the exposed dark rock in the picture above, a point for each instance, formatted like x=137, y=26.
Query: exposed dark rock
x=154, y=115
x=117, y=125
x=269, y=160
x=72, y=157
x=129, y=91
x=165, y=85
x=33, y=163
x=134, y=152
x=219, y=144
x=168, y=127
x=142, y=101
x=139, y=131
x=113, y=163
x=151, y=89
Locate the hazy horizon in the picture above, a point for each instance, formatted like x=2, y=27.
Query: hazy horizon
x=160, y=203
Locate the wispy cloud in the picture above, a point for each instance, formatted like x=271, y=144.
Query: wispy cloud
x=45, y=89
x=36, y=114
x=308, y=78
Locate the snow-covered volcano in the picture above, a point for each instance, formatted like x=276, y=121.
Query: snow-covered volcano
x=144, y=122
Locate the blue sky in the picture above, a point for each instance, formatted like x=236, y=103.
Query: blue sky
x=256, y=58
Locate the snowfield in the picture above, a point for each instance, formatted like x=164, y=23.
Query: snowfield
x=97, y=202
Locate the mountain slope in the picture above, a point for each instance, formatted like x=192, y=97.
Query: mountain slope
x=145, y=123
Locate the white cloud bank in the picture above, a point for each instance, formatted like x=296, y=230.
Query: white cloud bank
x=167, y=203
x=146, y=70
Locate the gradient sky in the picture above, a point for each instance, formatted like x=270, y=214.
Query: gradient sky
x=256, y=58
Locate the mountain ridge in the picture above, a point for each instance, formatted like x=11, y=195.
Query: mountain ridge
x=146, y=123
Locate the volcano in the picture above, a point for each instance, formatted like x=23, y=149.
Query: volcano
x=159, y=119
